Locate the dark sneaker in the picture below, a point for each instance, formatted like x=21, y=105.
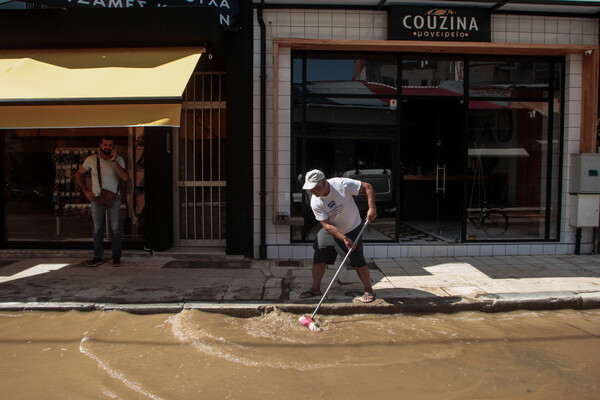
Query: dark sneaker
x=116, y=261
x=94, y=262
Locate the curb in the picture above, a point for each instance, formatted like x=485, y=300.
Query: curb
x=484, y=303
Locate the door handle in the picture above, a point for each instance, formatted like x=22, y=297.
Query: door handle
x=440, y=184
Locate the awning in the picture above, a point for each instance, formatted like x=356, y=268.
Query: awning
x=94, y=87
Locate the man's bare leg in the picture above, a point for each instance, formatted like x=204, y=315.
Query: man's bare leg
x=318, y=272
x=315, y=290
x=365, y=278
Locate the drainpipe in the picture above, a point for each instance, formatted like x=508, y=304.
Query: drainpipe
x=263, y=130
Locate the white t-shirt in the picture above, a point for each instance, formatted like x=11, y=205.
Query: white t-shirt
x=110, y=178
x=338, y=206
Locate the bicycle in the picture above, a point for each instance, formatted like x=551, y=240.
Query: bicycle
x=493, y=221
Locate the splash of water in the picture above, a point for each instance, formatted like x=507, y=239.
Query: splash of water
x=135, y=386
x=277, y=329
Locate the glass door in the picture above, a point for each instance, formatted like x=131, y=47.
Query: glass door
x=431, y=134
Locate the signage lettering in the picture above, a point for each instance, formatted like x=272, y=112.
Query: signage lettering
x=417, y=22
x=228, y=10
x=425, y=23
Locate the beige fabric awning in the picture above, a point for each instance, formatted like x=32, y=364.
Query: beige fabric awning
x=94, y=87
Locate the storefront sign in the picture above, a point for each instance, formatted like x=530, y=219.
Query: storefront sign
x=441, y=24
x=227, y=10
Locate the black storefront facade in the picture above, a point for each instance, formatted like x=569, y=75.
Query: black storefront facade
x=190, y=169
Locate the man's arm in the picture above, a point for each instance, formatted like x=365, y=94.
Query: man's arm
x=80, y=178
x=367, y=189
x=122, y=172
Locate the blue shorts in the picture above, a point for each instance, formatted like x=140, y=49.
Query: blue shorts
x=327, y=248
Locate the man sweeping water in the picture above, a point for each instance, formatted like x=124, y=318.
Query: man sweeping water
x=335, y=209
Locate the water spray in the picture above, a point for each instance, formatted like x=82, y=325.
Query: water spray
x=310, y=322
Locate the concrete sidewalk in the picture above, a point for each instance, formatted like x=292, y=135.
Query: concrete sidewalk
x=164, y=283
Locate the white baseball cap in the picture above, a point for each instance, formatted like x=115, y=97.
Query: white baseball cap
x=312, y=178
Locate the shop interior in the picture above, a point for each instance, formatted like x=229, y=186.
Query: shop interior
x=42, y=200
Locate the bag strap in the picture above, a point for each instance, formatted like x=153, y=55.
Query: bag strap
x=99, y=170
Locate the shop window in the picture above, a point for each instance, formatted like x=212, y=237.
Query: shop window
x=347, y=74
x=509, y=78
x=352, y=138
x=42, y=201
x=514, y=147
x=440, y=161
x=432, y=75
x=507, y=159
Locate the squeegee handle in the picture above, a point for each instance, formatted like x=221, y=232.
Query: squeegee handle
x=339, y=268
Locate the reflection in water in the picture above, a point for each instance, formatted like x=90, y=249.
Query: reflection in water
x=192, y=355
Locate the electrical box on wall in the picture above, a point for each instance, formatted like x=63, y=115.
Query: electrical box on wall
x=584, y=210
x=585, y=173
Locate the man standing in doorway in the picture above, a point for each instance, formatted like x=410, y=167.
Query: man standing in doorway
x=111, y=168
x=335, y=209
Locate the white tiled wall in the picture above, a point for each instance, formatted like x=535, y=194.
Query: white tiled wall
x=547, y=30
x=372, y=25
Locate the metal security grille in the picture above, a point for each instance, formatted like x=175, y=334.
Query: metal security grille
x=200, y=162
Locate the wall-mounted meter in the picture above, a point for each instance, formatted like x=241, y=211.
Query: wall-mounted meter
x=584, y=211
x=585, y=173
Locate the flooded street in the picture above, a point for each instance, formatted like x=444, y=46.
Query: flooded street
x=194, y=355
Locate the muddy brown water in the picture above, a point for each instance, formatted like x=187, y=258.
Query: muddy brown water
x=195, y=355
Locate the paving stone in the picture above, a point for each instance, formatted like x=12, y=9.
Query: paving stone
x=415, y=283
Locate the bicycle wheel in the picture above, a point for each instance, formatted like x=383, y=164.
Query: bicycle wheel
x=494, y=223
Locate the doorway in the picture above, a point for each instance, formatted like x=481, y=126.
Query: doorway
x=431, y=132
x=199, y=164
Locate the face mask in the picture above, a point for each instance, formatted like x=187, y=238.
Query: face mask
x=107, y=152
